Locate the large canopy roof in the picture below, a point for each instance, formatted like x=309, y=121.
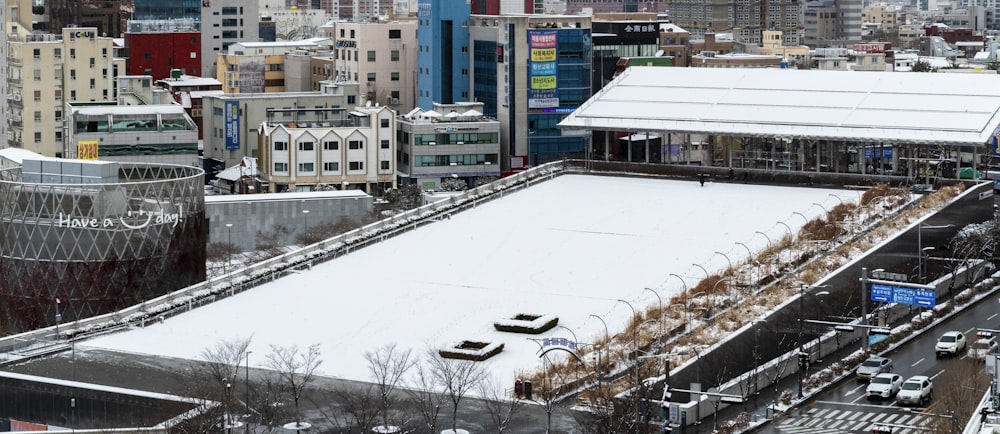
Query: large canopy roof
x=898, y=107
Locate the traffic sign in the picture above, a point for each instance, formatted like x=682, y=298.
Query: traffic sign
x=881, y=292
x=903, y=295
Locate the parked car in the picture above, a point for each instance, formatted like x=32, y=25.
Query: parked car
x=884, y=386
x=915, y=390
x=983, y=346
x=950, y=343
x=873, y=366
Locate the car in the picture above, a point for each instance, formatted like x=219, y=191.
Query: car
x=873, y=366
x=983, y=346
x=950, y=343
x=884, y=386
x=916, y=390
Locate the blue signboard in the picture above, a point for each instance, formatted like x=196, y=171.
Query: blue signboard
x=901, y=295
x=881, y=292
x=232, y=122
x=878, y=152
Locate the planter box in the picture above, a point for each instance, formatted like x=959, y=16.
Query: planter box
x=527, y=323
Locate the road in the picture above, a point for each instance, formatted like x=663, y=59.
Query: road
x=843, y=408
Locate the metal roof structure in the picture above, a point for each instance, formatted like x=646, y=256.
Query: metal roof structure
x=892, y=107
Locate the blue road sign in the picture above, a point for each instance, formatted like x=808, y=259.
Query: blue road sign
x=881, y=292
x=902, y=295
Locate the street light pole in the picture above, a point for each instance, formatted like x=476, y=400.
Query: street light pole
x=727, y=259
x=248, y=392
x=685, y=299
x=749, y=259
x=58, y=318
x=229, y=248
x=305, y=233
x=607, y=343
x=921, y=265
x=703, y=270
x=659, y=301
x=765, y=237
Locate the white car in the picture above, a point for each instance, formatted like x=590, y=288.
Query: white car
x=950, y=343
x=916, y=390
x=984, y=345
x=884, y=386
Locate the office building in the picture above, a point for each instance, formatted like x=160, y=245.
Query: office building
x=452, y=141
x=381, y=56
x=223, y=23
x=745, y=20
x=443, y=53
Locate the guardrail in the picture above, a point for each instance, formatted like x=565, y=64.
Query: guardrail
x=18, y=347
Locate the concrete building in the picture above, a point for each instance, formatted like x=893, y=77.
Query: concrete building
x=821, y=23
x=605, y=6
x=745, y=19
x=675, y=42
x=451, y=141
x=223, y=23
x=382, y=57
x=736, y=60
x=167, y=9
x=259, y=67
x=621, y=35
x=189, y=91
x=355, y=149
x=46, y=71
x=772, y=46
x=530, y=71
x=159, y=134
x=443, y=53
x=107, y=17
x=231, y=121
x=157, y=47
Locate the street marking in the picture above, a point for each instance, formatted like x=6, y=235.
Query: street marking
x=991, y=317
x=916, y=363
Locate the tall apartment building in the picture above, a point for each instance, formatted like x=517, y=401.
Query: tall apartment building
x=745, y=18
x=821, y=23
x=382, y=57
x=256, y=67
x=223, y=23
x=107, y=16
x=46, y=71
x=443, y=54
x=605, y=6
x=530, y=71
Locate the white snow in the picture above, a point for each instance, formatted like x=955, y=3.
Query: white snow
x=569, y=247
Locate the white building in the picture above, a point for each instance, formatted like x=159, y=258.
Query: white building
x=382, y=57
x=223, y=23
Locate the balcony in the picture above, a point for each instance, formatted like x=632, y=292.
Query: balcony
x=13, y=60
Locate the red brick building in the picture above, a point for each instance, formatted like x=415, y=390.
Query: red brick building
x=156, y=53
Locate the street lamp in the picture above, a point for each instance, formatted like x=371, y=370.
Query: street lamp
x=921, y=250
x=802, y=296
x=659, y=300
x=822, y=207
x=790, y=234
x=765, y=237
x=229, y=247
x=58, y=318
x=806, y=219
x=685, y=297
x=607, y=343
x=702, y=269
x=305, y=217
x=248, y=391
x=727, y=259
x=749, y=258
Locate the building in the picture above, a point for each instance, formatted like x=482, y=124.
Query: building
x=451, y=141
x=167, y=10
x=46, y=71
x=744, y=19
x=604, y=6
x=504, y=7
x=381, y=56
x=633, y=35
x=353, y=149
x=223, y=23
x=158, y=133
x=231, y=121
x=675, y=42
x=259, y=67
x=772, y=46
x=530, y=71
x=736, y=60
x=108, y=17
x=156, y=48
x=297, y=23
x=712, y=44
x=189, y=91
x=102, y=236
x=821, y=23
x=443, y=54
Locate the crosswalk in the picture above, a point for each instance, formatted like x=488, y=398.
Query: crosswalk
x=837, y=421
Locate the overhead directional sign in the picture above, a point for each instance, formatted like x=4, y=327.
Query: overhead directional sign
x=902, y=295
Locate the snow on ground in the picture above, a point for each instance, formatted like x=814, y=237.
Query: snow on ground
x=569, y=247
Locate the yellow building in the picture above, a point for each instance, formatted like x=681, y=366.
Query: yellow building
x=262, y=67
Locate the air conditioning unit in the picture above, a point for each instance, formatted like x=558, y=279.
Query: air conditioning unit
x=393, y=101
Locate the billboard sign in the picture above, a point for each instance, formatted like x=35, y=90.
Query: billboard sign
x=252, y=74
x=86, y=150
x=232, y=122
x=542, y=69
x=903, y=295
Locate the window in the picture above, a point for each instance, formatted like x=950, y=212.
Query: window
x=394, y=55
x=92, y=62
x=352, y=99
x=371, y=76
x=354, y=165
x=72, y=95
x=352, y=33
x=395, y=34
x=394, y=76
x=38, y=116
x=38, y=95
x=72, y=74
x=38, y=75
x=58, y=136
x=331, y=167
x=384, y=123
x=58, y=116
x=72, y=53
x=385, y=144
x=385, y=165
x=306, y=167
x=58, y=53
x=306, y=146
x=38, y=137
x=281, y=167
x=37, y=52
x=104, y=53
x=355, y=144
x=331, y=145
x=371, y=55
x=280, y=146
x=93, y=83
x=229, y=11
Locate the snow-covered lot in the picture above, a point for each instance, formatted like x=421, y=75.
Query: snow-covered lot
x=569, y=247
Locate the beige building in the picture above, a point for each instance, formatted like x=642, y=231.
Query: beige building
x=771, y=46
x=355, y=149
x=382, y=57
x=883, y=18
x=744, y=18
x=44, y=72
x=259, y=67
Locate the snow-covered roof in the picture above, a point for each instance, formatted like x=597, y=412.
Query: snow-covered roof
x=769, y=102
x=129, y=109
x=189, y=80
x=247, y=167
x=287, y=196
x=18, y=155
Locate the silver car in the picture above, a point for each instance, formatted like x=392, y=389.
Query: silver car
x=884, y=386
x=873, y=366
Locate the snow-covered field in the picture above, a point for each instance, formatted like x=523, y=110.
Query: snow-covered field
x=570, y=247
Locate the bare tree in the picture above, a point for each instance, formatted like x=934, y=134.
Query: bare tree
x=424, y=396
x=222, y=364
x=500, y=404
x=362, y=403
x=957, y=392
x=295, y=369
x=387, y=366
x=457, y=377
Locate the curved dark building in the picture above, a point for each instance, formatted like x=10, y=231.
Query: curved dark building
x=91, y=237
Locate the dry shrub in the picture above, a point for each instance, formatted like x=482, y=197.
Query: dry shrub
x=841, y=212
x=819, y=229
x=879, y=190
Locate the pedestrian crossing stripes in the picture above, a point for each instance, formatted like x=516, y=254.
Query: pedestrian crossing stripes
x=840, y=421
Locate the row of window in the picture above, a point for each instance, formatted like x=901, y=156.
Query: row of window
x=333, y=166
x=393, y=33
x=454, y=160
x=57, y=53
x=451, y=139
x=328, y=145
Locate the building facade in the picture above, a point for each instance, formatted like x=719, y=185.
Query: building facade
x=94, y=237
x=156, y=48
x=167, y=9
x=108, y=17
x=381, y=57
x=451, y=141
x=46, y=71
x=614, y=39
x=745, y=19
x=443, y=53
x=223, y=23
x=231, y=121
x=259, y=67
x=157, y=133
x=530, y=72
x=356, y=151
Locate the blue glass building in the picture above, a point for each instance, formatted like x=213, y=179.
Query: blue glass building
x=442, y=52
x=167, y=9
